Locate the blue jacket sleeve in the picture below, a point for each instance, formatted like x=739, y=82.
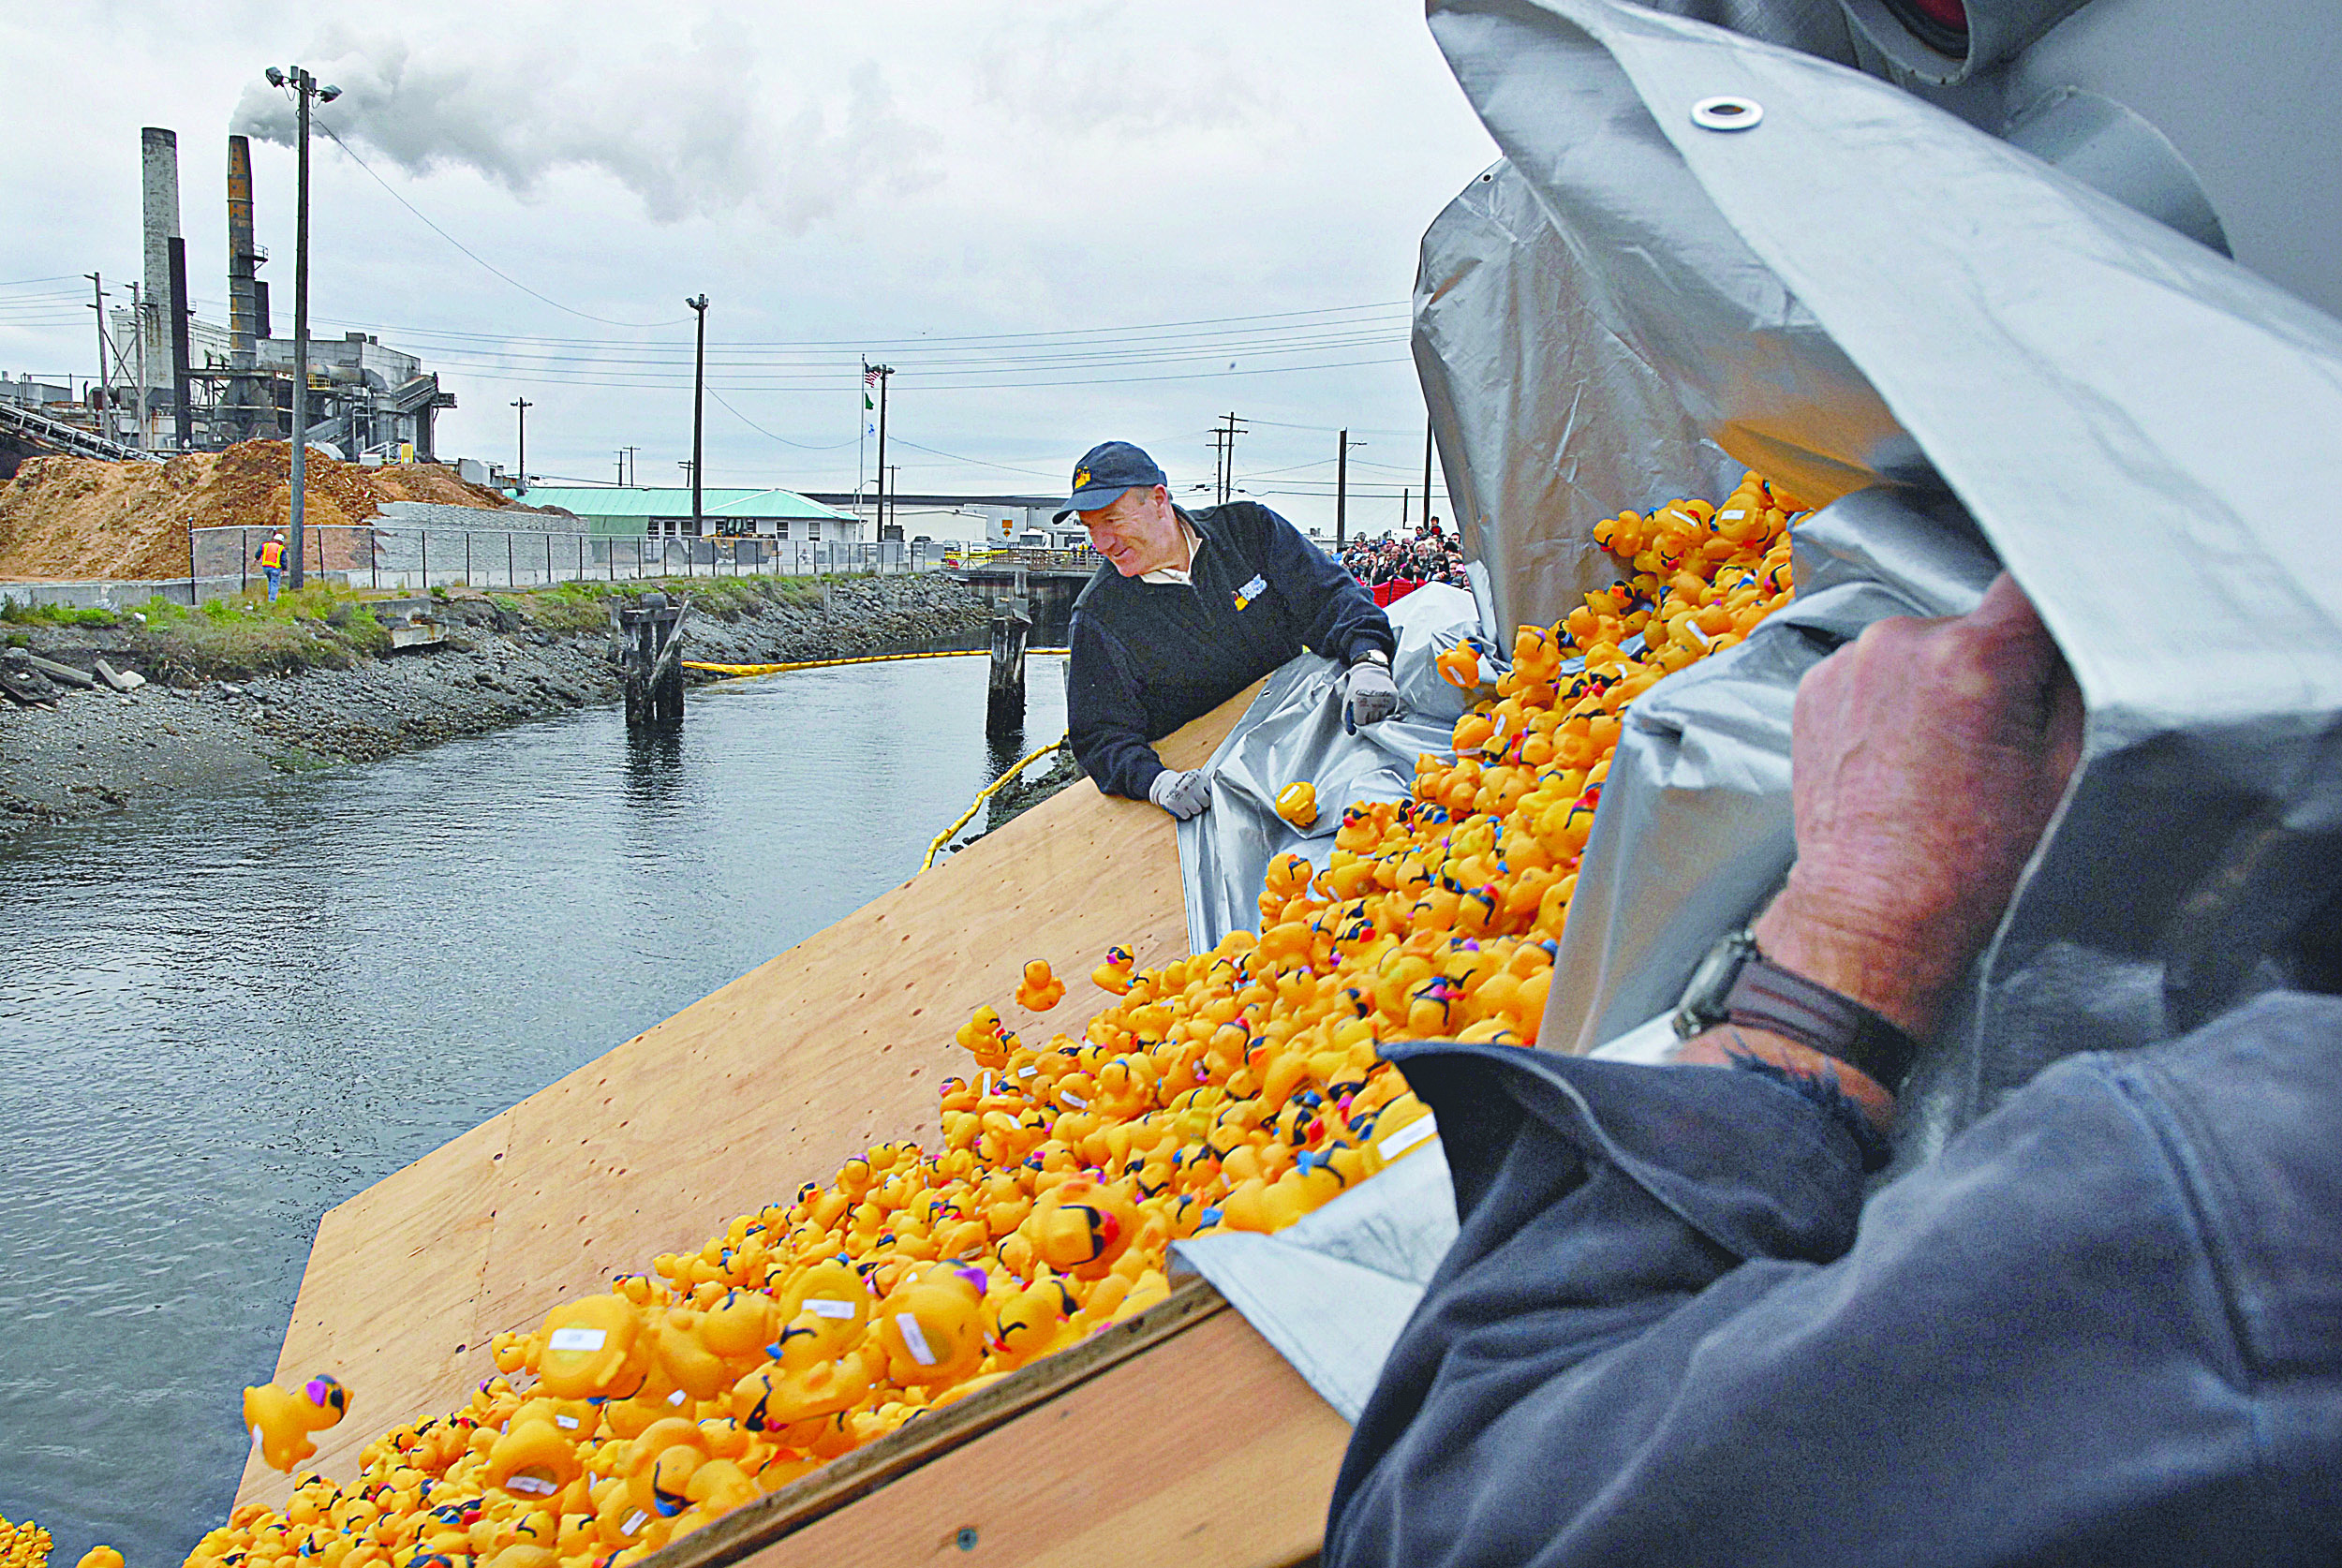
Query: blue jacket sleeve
x=1105, y=723
x=2080, y=1335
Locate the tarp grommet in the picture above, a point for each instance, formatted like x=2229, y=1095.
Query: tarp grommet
x=1726, y=112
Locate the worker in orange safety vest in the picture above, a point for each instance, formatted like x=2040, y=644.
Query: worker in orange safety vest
x=272, y=558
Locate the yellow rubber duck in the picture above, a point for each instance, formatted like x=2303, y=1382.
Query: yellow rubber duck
x=931, y=1328
x=1031, y=1323
x=983, y=1038
x=1040, y=990
x=534, y=1458
x=281, y=1422
x=594, y=1349
x=1115, y=973
x=1297, y=803
x=1081, y=1227
x=1459, y=666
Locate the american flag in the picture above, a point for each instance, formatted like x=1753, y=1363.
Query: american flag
x=870, y=375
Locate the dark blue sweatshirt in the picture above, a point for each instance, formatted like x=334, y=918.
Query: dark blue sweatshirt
x=1149, y=656
x=2103, y=1326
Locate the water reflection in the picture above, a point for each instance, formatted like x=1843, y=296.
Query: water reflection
x=654, y=766
x=224, y=1014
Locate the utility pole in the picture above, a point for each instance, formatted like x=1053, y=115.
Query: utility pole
x=522, y=474
x=630, y=473
x=101, y=423
x=621, y=455
x=885, y=373
x=1426, y=470
x=894, y=498
x=1225, y=434
x=138, y=322
x=698, y=388
x=1341, y=490
x=304, y=88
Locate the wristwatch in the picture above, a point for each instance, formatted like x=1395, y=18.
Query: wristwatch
x=1736, y=983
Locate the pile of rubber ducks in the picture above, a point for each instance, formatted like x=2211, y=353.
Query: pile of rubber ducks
x=24, y=1546
x=1235, y=1090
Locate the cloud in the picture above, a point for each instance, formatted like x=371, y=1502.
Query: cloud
x=695, y=131
x=1108, y=68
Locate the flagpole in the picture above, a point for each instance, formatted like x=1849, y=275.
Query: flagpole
x=861, y=435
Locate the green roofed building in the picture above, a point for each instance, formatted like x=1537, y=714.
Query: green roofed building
x=638, y=512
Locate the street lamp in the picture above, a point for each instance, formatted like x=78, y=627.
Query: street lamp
x=305, y=87
x=699, y=387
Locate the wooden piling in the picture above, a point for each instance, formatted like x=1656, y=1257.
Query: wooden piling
x=650, y=645
x=1004, y=698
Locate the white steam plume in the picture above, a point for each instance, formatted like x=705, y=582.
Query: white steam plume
x=689, y=131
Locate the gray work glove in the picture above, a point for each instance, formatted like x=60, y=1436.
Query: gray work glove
x=1181, y=793
x=1369, y=695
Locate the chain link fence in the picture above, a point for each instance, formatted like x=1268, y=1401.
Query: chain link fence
x=415, y=559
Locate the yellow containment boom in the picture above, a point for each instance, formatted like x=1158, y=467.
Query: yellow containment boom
x=831, y=663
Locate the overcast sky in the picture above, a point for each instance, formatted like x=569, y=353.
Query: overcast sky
x=1060, y=221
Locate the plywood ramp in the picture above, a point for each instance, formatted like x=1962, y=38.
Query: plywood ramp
x=1202, y=1449
x=731, y=1104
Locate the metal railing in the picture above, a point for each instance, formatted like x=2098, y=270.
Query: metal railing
x=70, y=439
x=1032, y=558
x=411, y=559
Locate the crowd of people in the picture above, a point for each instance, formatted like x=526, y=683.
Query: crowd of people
x=1428, y=555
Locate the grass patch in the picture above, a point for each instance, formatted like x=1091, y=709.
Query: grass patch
x=56, y=614
x=328, y=625
x=323, y=626
x=576, y=609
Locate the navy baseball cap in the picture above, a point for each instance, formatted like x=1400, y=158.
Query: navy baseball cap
x=1105, y=472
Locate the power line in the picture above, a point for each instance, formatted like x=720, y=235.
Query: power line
x=509, y=379
x=979, y=461
x=1321, y=337
x=335, y=136
x=1063, y=338
x=802, y=446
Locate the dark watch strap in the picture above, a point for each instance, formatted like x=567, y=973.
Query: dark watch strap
x=1765, y=996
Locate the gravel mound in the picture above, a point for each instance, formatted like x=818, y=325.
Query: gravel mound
x=74, y=517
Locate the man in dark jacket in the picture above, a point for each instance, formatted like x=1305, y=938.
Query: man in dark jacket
x=2104, y=1326
x=1190, y=609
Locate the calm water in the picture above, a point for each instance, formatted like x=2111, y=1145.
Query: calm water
x=222, y=1016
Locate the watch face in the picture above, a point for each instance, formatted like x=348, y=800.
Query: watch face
x=1703, y=1004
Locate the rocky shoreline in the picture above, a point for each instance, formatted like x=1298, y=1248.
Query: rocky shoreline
x=100, y=751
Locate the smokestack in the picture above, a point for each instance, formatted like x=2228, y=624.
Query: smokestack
x=243, y=314
x=179, y=368
x=244, y=257
x=160, y=188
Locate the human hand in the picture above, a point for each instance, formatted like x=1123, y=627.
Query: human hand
x=1181, y=793
x=1926, y=759
x=1369, y=695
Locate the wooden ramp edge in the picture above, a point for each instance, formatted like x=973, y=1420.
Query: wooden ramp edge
x=1178, y=1439
x=771, y=1081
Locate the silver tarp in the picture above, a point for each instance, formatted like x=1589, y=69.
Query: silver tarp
x=1979, y=363
x=1292, y=734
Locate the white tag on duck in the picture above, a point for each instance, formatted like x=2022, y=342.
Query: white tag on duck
x=913, y=1339
x=1407, y=1137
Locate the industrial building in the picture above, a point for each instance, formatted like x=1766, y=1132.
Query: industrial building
x=178, y=383
x=634, y=512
